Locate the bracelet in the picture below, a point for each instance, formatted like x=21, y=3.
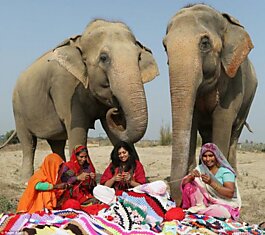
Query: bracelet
x=216, y=186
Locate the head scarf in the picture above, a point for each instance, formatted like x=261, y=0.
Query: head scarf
x=73, y=163
x=33, y=200
x=218, y=155
x=233, y=204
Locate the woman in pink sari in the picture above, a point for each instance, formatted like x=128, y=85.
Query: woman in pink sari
x=211, y=188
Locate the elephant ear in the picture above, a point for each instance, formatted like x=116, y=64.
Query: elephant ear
x=69, y=56
x=236, y=46
x=147, y=63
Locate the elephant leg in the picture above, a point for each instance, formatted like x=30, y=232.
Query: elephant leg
x=238, y=127
x=206, y=135
x=193, y=144
x=77, y=136
x=232, y=153
x=57, y=146
x=222, y=129
x=235, y=136
x=28, y=144
x=205, y=127
x=233, y=143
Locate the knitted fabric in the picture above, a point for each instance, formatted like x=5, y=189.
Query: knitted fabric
x=158, y=187
x=125, y=214
x=70, y=220
x=155, y=211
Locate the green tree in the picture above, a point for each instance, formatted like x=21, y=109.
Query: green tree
x=14, y=140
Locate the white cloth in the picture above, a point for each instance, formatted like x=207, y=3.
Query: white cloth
x=104, y=194
x=157, y=188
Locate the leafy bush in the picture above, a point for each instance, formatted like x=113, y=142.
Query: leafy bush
x=7, y=205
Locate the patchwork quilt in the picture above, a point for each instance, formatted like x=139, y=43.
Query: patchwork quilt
x=120, y=219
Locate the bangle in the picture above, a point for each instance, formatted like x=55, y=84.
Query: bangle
x=216, y=186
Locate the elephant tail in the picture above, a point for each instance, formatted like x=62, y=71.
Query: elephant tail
x=248, y=127
x=9, y=139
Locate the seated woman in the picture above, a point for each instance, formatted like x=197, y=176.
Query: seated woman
x=211, y=188
x=43, y=189
x=79, y=174
x=124, y=171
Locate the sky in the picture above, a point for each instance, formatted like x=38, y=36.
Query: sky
x=29, y=28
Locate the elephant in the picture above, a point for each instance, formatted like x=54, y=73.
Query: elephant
x=98, y=75
x=212, y=84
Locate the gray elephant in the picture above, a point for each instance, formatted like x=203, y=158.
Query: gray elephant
x=96, y=75
x=212, y=84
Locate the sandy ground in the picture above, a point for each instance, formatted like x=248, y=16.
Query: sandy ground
x=156, y=161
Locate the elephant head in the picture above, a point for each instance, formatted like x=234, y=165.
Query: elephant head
x=201, y=45
x=112, y=65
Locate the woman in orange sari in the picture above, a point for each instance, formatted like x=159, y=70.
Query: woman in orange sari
x=43, y=189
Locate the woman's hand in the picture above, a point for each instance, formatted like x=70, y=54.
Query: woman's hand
x=191, y=176
x=206, y=179
x=118, y=177
x=111, y=181
x=92, y=175
x=126, y=176
x=195, y=173
x=83, y=176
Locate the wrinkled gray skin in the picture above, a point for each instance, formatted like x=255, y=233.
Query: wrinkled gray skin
x=212, y=84
x=96, y=75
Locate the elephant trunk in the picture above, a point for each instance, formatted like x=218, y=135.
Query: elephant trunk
x=128, y=121
x=185, y=76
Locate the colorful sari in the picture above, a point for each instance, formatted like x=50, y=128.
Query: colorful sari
x=33, y=200
x=202, y=198
x=80, y=191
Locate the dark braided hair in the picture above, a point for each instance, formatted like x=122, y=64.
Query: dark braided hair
x=130, y=163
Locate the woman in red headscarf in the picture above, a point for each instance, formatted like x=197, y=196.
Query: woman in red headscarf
x=79, y=174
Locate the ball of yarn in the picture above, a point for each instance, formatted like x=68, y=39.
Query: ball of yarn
x=71, y=203
x=175, y=213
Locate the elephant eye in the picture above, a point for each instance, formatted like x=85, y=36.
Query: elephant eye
x=104, y=58
x=205, y=44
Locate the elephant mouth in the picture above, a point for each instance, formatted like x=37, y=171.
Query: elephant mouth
x=115, y=119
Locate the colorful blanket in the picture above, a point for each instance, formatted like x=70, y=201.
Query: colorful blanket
x=78, y=222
